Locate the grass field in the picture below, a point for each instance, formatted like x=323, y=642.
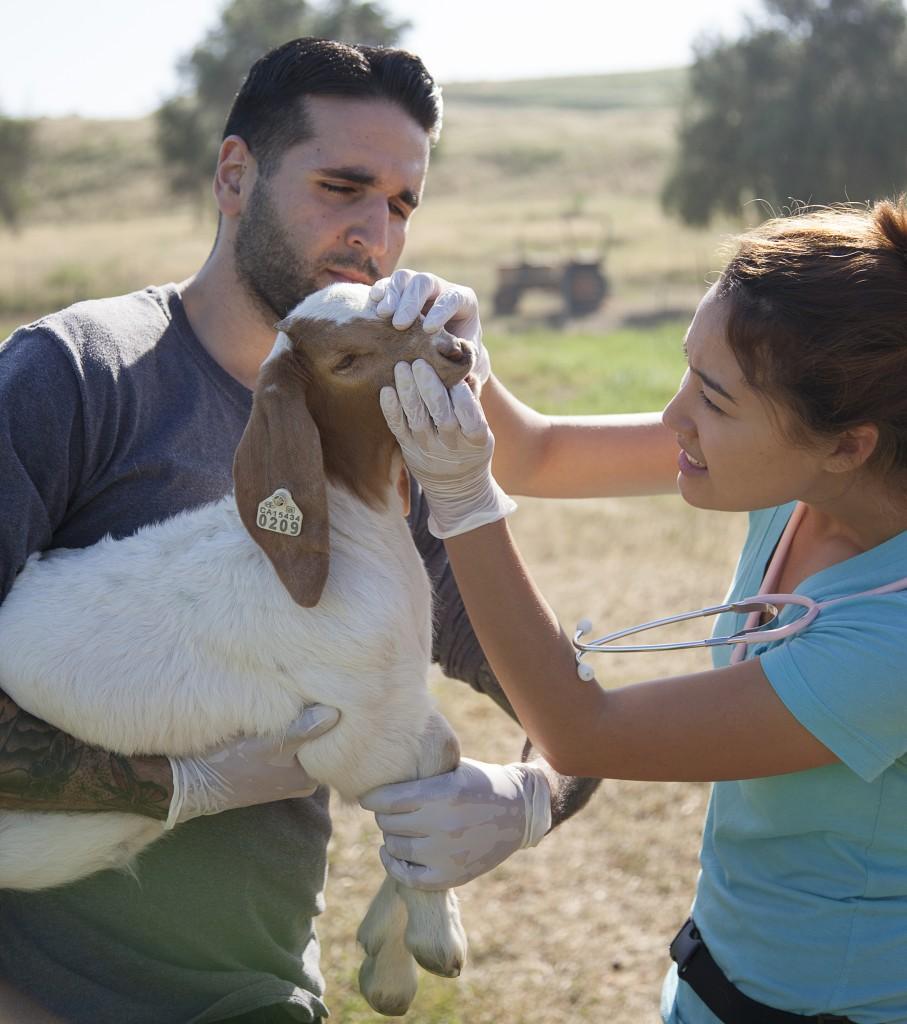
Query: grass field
x=575, y=930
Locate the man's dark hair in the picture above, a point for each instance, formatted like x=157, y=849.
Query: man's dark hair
x=269, y=110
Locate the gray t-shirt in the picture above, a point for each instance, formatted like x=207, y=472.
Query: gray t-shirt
x=112, y=415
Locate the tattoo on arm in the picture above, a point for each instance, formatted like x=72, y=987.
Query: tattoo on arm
x=44, y=769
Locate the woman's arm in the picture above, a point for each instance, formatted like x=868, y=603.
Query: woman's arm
x=537, y=455
x=724, y=724
x=577, y=457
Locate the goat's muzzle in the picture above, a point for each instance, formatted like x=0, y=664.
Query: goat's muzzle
x=457, y=350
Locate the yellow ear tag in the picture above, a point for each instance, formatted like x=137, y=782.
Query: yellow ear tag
x=280, y=514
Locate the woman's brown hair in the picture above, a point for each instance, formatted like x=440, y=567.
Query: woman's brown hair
x=818, y=319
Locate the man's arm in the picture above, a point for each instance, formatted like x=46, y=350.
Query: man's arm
x=42, y=462
x=43, y=769
x=569, y=793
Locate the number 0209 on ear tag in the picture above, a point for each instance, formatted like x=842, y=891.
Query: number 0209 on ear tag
x=280, y=514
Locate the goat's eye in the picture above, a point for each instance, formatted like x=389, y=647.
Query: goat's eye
x=345, y=363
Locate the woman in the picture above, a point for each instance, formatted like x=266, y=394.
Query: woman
x=794, y=408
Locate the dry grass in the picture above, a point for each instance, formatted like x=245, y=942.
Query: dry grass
x=577, y=929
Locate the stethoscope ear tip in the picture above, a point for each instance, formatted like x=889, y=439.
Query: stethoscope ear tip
x=583, y=627
x=585, y=672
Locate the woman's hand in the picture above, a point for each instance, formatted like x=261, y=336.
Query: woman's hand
x=405, y=294
x=447, y=446
x=448, y=829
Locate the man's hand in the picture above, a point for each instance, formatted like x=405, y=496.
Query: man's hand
x=249, y=770
x=405, y=294
x=446, y=830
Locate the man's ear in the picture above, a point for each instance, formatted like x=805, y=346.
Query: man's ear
x=853, y=448
x=234, y=176
x=279, y=462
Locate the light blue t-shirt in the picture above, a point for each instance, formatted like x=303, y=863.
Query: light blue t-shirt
x=802, y=898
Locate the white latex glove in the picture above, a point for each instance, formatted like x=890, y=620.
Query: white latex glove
x=447, y=445
x=446, y=830
x=249, y=770
x=404, y=295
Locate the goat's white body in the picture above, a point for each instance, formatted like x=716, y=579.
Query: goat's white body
x=181, y=636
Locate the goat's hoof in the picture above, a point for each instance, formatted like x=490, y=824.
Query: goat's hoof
x=440, y=952
x=388, y=989
x=444, y=967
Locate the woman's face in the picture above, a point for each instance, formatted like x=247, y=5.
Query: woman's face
x=734, y=452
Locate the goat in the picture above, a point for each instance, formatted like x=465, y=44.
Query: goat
x=228, y=618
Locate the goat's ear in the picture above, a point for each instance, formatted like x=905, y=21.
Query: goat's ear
x=281, y=450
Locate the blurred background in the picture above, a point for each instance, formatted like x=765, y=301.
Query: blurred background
x=594, y=158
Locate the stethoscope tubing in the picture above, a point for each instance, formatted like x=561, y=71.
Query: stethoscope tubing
x=765, y=603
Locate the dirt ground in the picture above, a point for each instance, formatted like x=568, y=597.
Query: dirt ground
x=577, y=929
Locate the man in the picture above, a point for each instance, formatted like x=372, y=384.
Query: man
x=119, y=412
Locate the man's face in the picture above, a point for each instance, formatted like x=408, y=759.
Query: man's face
x=337, y=207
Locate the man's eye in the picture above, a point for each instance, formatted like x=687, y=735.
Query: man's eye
x=345, y=363
x=339, y=189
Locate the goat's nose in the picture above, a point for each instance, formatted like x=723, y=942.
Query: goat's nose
x=455, y=349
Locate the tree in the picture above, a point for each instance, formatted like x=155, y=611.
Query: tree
x=807, y=105
x=189, y=125
x=17, y=151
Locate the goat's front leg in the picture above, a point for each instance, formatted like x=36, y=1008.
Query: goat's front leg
x=400, y=918
x=434, y=934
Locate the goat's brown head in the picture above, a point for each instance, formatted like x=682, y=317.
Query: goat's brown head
x=315, y=416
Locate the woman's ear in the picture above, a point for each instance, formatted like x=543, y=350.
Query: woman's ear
x=853, y=448
x=277, y=469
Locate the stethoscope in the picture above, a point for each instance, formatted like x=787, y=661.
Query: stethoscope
x=753, y=633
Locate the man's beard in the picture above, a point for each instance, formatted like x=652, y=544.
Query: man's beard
x=274, y=277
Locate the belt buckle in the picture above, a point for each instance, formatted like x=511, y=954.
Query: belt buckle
x=687, y=943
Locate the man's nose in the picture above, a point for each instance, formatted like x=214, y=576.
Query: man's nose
x=371, y=230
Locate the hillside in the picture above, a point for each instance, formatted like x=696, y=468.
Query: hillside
x=543, y=169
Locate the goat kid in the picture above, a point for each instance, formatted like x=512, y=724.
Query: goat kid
x=227, y=619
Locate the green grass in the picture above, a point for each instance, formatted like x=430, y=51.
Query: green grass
x=627, y=370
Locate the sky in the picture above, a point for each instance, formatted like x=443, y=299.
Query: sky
x=117, y=58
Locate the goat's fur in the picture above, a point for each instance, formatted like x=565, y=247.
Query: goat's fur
x=205, y=626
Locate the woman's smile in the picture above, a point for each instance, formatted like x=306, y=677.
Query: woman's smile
x=689, y=465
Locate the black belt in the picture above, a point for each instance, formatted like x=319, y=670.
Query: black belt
x=697, y=968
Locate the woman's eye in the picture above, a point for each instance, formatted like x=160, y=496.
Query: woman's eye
x=709, y=403
x=345, y=363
